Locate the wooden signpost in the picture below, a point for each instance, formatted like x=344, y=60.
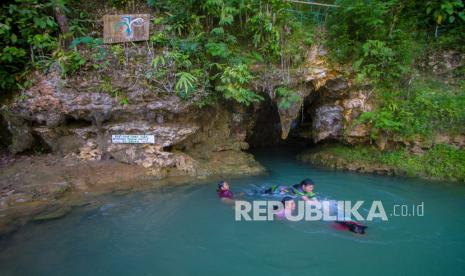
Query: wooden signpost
x=126, y=27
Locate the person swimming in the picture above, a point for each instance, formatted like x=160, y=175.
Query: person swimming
x=277, y=190
x=223, y=190
x=288, y=207
x=303, y=190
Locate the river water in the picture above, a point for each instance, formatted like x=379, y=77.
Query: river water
x=186, y=230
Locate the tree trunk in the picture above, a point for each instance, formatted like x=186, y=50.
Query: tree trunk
x=62, y=21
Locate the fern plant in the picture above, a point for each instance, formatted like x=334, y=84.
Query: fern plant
x=186, y=83
x=234, y=81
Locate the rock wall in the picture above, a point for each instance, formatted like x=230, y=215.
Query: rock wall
x=77, y=121
x=326, y=105
x=76, y=116
x=336, y=101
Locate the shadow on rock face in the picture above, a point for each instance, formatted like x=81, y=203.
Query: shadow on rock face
x=5, y=134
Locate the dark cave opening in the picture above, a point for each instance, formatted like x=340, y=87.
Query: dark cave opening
x=76, y=122
x=267, y=128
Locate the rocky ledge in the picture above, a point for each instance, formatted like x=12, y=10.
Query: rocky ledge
x=79, y=120
x=48, y=186
x=442, y=163
x=331, y=161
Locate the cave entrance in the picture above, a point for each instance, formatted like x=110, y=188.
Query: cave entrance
x=267, y=129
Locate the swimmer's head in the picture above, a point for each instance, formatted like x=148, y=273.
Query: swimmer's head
x=223, y=186
x=288, y=203
x=307, y=185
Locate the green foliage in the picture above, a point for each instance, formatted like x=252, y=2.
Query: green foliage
x=426, y=108
x=27, y=34
x=383, y=38
x=106, y=86
x=222, y=39
x=381, y=120
x=441, y=161
x=445, y=11
x=70, y=62
x=233, y=85
x=265, y=35
x=448, y=16
x=43, y=43
x=124, y=101
x=377, y=63
x=309, y=39
x=86, y=41
x=217, y=49
x=10, y=54
x=29, y=39
x=378, y=37
x=173, y=71
x=94, y=46
x=85, y=52
x=186, y=83
x=119, y=54
x=354, y=23
x=159, y=38
x=79, y=25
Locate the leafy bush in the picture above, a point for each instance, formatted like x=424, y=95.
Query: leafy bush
x=70, y=62
x=223, y=38
x=377, y=63
x=29, y=38
x=86, y=41
x=377, y=37
x=445, y=11
x=233, y=85
x=442, y=161
x=428, y=107
x=186, y=83
x=217, y=49
x=27, y=34
x=383, y=38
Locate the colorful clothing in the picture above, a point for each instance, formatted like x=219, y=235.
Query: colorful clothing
x=283, y=213
x=277, y=189
x=297, y=190
x=225, y=194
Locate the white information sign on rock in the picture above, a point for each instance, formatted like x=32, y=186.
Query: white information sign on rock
x=132, y=139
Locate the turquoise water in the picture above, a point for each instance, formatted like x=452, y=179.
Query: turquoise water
x=186, y=230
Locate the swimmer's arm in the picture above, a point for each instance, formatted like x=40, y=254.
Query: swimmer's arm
x=309, y=200
x=227, y=200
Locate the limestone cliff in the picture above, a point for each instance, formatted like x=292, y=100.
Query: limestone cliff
x=325, y=103
x=78, y=120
